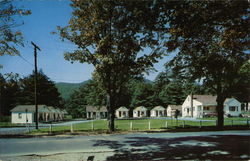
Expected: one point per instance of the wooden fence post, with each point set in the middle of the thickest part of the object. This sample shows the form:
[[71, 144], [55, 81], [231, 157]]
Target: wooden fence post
[[50, 128], [71, 128], [166, 124], [149, 125], [131, 126], [183, 123], [92, 126], [200, 123]]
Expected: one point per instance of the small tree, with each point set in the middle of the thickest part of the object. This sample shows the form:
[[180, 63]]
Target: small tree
[[110, 35]]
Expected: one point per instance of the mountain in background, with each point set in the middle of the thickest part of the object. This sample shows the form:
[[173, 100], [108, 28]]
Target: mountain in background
[[66, 89]]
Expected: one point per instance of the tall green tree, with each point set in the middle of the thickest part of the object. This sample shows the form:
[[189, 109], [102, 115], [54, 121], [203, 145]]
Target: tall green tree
[[142, 94], [110, 35], [47, 92], [212, 37], [10, 37], [10, 92]]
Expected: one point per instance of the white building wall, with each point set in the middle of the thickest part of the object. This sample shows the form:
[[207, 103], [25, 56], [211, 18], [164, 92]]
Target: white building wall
[[186, 108], [232, 102], [122, 113], [20, 117], [169, 109], [153, 113], [135, 113]]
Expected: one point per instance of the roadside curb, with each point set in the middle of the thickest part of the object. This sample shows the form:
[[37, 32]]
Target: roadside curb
[[68, 134]]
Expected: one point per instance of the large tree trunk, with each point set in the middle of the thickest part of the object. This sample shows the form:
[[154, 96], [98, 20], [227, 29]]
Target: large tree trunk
[[220, 110], [111, 121], [111, 112], [220, 105]]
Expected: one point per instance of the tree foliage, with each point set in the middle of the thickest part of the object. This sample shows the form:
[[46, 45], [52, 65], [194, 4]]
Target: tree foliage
[[47, 93], [10, 92], [212, 37], [110, 35], [9, 36]]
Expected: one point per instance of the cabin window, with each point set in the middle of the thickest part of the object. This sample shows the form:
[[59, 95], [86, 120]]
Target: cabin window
[[19, 115], [233, 108]]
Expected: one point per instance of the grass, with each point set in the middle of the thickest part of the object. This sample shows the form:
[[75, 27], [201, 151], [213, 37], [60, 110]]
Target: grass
[[227, 118], [138, 125], [9, 124]]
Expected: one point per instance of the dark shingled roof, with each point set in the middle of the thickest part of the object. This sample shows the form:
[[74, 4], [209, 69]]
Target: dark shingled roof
[[96, 108]]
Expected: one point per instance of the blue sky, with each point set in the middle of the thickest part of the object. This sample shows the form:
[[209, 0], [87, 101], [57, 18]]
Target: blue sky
[[46, 15]]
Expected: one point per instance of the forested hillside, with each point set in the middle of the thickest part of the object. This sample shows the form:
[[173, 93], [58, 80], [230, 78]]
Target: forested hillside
[[66, 89]]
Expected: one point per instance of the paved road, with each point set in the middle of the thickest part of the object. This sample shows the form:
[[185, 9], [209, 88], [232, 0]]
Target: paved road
[[21, 130], [232, 145]]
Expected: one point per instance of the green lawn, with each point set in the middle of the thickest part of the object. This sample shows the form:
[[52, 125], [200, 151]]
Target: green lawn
[[9, 124], [138, 125], [227, 118]]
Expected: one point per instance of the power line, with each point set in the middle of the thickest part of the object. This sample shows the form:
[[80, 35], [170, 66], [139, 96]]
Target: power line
[[25, 60]]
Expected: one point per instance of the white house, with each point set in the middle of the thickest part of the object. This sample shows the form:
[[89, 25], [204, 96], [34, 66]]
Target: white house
[[232, 107], [205, 105], [96, 112], [171, 109], [140, 111], [121, 112], [158, 111], [26, 114]]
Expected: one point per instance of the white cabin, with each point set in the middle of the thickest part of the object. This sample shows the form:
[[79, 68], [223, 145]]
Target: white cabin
[[121, 112], [205, 105], [140, 111], [171, 109], [158, 111]]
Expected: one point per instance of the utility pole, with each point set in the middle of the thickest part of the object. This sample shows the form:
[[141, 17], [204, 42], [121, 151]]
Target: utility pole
[[35, 55], [192, 97]]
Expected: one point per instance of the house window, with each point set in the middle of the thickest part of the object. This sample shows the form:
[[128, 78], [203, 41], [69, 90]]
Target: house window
[[19, 115], [233, 108]]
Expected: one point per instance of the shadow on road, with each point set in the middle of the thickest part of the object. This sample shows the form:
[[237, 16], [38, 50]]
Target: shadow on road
[[216, 147]]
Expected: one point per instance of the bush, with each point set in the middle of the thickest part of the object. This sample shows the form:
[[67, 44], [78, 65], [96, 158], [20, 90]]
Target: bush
[[5, 118]]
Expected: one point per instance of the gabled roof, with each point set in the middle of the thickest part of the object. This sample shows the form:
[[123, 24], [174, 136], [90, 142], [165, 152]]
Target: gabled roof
[[140, 108], [96, 108], [122, 108], [228, 100], [29, 108], [52, 109], [205, 99], [158, 108], [209, 99], [175, 107]]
